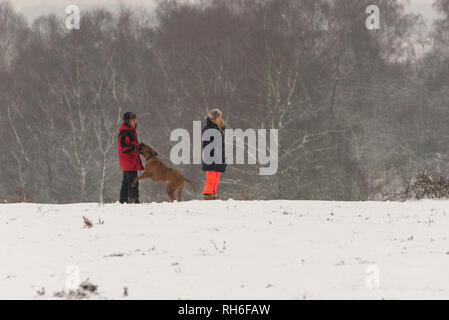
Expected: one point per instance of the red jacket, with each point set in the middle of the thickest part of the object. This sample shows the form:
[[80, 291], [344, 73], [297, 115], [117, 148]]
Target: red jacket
[[128, 149]]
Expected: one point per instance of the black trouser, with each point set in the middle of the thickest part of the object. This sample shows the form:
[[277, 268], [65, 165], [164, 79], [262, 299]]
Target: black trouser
[[129, 191]]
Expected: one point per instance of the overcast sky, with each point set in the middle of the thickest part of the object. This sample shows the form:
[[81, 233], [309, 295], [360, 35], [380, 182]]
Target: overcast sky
[[33, 8]]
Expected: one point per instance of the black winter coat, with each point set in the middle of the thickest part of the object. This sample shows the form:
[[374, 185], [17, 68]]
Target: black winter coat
[[218, 167]]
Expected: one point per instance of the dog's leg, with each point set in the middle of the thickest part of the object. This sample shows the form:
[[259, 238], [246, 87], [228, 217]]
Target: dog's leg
[[171, 191], [171, 195], [142, 176], [179, 191]]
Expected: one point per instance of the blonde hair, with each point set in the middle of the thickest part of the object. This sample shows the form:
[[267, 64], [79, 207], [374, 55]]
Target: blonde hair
[[213, 114]]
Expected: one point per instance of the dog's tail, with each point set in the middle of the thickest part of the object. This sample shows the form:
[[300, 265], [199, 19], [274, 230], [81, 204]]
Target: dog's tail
[[191, 184]]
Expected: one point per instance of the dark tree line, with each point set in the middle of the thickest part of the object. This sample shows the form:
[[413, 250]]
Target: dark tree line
[[359, 112]]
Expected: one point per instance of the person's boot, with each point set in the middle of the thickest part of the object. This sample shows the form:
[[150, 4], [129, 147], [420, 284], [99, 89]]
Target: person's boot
[[214, 196], [208, 196], [132, 201]]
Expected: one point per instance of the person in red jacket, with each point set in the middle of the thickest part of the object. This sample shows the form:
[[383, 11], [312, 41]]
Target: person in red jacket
[[128, 155]]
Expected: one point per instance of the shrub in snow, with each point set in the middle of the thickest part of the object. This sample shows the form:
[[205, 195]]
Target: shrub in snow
[[84, 291], [428, 187]]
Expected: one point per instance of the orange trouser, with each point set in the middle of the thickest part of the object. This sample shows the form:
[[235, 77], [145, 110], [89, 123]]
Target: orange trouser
[[210, 186]]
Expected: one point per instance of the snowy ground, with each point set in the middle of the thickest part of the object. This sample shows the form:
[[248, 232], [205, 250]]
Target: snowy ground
[[229, 249]]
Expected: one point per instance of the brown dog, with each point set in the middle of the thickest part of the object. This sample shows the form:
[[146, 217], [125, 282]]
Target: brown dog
[[159, 172]]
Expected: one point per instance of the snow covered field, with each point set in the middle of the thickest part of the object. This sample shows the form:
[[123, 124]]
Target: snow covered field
[[229, 249]]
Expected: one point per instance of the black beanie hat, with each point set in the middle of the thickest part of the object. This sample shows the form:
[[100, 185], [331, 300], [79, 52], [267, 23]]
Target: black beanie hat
[[128, 116]]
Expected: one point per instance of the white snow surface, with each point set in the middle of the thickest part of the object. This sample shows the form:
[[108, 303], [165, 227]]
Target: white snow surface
[[229, 249]]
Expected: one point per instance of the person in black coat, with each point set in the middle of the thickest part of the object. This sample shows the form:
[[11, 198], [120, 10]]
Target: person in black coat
[[214, 169]]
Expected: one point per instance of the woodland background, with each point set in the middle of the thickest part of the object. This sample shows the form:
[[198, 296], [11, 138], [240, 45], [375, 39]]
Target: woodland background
[[359, 111]]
